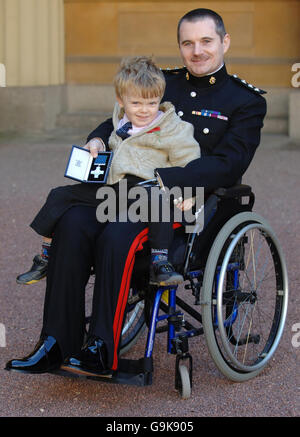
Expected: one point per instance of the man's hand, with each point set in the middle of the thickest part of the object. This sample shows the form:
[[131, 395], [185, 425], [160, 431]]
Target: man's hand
[[95, 146]]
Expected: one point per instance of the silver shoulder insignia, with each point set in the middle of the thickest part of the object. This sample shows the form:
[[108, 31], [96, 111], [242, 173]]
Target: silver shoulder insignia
[[248, 85], [174, 70]]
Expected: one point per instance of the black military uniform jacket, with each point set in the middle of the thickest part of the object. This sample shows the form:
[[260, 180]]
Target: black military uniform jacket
[[227, 114]]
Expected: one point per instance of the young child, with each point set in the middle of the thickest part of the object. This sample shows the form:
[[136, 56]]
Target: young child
[[147, 135]]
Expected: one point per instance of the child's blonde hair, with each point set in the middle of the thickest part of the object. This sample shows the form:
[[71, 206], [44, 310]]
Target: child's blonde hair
[[139, 75]]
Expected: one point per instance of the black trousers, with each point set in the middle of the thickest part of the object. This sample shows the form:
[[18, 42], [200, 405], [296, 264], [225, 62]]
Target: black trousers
[[61, 199], [79, 243]]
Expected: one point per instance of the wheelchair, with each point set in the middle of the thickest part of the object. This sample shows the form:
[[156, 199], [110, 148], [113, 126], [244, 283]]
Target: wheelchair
[[235, 294]]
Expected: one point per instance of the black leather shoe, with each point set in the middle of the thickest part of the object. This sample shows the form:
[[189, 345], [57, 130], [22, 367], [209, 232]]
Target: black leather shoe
[[45, 357], [37, 272], [163, 273], [91, 360]]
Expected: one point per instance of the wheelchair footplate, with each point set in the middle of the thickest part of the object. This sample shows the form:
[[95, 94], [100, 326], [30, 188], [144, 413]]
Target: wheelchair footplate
[[130, 372]]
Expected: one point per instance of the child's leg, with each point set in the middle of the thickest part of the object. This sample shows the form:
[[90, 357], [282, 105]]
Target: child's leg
[[46, 244], [39, 267], [59, 200], [160, 238], [161, 270]]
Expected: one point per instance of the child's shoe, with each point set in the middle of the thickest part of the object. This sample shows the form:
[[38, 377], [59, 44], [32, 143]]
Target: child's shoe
[[163, 273], [37, 272]]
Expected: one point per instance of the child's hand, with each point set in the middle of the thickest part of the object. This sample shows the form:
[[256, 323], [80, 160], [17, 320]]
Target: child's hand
[[184, 205], [95, 146]]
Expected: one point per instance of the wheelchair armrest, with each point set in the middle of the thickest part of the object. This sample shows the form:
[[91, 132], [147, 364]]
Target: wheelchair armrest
[[235, 191]]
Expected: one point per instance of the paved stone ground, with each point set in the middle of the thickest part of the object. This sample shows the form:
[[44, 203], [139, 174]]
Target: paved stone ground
[[29, 167]]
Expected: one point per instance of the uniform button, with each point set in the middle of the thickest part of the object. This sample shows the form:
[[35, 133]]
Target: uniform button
[[193, 94], [206, 130], [180, 113]]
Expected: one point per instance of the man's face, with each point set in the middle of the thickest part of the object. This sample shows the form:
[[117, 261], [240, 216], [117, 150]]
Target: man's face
[[201, 47], [140, 111]]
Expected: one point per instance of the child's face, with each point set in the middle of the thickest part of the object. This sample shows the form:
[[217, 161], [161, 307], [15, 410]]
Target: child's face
[[140, 111]]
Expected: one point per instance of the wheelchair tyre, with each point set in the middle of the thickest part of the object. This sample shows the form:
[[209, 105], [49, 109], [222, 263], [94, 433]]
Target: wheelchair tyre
[[134, 322], [134, 317], [185, 388], [244, 296]]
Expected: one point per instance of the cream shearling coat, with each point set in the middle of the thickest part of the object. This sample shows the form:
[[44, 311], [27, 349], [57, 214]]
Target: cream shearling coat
[[168, 142]]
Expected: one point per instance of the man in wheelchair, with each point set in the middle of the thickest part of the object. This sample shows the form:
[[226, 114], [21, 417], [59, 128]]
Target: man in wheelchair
[[227, 114]]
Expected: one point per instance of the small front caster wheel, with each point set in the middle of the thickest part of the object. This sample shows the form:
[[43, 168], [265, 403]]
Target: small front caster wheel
[[184, 382]]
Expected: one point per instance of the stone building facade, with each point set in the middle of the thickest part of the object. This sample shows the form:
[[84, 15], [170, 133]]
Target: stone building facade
[[58, 57]]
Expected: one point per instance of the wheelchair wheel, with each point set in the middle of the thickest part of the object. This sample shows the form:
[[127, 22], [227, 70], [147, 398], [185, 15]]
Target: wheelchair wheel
[[134, 317], [244, 296], [184, 382], [134, 321]]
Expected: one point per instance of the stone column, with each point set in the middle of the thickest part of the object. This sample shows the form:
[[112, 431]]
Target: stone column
[[294, 105], [32, 51], [294, 116], [32, 41]]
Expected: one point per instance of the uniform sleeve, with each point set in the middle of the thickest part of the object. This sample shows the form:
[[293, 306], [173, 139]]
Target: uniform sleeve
[[230, 157], [103, 131], [183, 148]]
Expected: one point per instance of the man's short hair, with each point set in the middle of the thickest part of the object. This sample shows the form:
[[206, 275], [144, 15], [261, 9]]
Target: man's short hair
[[139, 75], [201, 14]]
